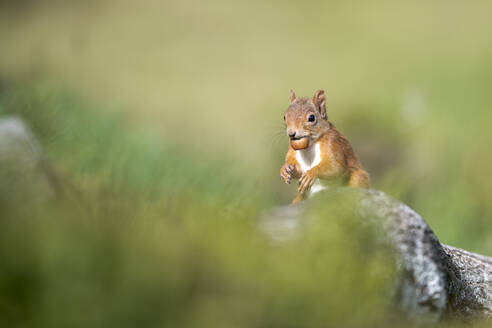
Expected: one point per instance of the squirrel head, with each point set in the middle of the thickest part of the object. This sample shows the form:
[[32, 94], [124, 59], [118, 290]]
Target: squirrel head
[[306, 119]]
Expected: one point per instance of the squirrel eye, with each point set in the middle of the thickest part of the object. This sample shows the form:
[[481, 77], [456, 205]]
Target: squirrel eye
[[311, 118], [284, 117]]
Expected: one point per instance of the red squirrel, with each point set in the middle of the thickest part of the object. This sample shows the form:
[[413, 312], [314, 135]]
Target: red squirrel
[[318, 152]]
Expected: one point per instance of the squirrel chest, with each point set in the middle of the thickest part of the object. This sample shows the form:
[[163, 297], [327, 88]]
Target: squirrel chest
[[309, 158]]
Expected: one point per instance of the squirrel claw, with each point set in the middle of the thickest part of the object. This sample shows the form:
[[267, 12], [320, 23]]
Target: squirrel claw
[[286, 173], [306, 181]]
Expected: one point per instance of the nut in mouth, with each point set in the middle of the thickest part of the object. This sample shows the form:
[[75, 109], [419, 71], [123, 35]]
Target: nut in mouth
[[299, 142]]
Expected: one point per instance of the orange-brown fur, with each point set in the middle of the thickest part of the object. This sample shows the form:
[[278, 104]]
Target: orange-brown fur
[[338, 161]]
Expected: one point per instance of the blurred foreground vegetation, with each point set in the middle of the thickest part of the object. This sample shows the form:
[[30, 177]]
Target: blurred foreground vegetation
[[164, 118]]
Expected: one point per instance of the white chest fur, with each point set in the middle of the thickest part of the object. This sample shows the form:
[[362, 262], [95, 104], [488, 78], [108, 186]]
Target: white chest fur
[[307, 159]]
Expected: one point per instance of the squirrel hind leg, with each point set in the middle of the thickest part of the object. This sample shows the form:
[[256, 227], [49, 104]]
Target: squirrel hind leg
[[359, 179], [298, 199]]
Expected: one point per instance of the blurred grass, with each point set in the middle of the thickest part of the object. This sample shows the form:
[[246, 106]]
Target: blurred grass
[[220, 271], [167, 117]]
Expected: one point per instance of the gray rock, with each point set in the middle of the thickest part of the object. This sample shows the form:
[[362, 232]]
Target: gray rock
[[435, 281], [469, 285], [421, 260], [23, 176]]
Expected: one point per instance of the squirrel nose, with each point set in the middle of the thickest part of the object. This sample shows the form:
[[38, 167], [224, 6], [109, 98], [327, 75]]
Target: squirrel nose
[[292, 134]]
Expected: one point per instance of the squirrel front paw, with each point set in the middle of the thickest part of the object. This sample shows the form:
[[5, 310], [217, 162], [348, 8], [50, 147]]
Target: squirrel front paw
[[307, 180], [286, 172]]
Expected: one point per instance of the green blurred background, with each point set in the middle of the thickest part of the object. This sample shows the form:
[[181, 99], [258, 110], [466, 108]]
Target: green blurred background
[[166, 118]]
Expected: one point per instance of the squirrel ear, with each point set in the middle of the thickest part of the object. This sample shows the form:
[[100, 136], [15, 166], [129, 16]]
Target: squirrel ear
[[319, 101], [292, 96]]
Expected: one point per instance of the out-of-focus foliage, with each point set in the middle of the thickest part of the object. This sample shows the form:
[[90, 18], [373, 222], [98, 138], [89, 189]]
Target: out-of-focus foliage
[[165, 118]]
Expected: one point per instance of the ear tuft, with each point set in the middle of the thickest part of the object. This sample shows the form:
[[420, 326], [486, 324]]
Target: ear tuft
[[319, 100], [292, 96]]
